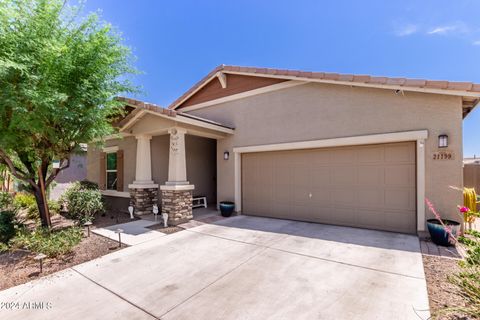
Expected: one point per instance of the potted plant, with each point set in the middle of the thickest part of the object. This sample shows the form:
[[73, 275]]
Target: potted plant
[[443, 232], [226, 208]]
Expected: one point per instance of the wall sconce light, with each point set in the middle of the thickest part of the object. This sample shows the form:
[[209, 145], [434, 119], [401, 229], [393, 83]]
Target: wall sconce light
[[226, 155], [442, 141]]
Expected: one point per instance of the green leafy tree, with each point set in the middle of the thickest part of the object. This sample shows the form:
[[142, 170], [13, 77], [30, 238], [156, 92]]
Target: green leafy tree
[[59, 74]]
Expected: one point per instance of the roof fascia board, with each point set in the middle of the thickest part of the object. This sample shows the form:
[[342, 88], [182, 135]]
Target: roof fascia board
[[195, 91], [198, 123], [361, 84], [134, 119]]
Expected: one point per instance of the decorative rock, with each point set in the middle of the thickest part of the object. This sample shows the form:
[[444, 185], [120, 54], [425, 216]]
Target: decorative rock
[[143, 200], [178, 205]]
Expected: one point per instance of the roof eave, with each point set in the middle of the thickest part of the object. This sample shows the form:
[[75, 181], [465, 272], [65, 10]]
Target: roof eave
[[423, 86]]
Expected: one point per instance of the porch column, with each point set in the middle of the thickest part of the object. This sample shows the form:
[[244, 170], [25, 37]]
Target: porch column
[[143, 170], [177, 192], [143, 191], [177, 163]]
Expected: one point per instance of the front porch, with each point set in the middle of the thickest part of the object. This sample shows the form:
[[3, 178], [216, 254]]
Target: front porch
[[161, 138], [150, 227]]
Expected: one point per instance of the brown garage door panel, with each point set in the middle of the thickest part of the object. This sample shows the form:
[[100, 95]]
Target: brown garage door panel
[[362, 186]]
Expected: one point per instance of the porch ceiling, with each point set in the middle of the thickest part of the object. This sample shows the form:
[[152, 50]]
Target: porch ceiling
[[154, 120]]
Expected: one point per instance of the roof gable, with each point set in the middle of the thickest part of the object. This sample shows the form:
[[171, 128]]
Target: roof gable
[[234, 84]]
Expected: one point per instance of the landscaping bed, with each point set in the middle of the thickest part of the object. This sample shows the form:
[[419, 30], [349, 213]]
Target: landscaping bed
[[454, 284], [112, 218], [61, 244], [441, 292], [18, 266], [167, 230]]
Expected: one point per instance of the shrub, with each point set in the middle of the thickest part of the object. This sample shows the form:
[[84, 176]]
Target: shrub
[[468, 279], [24, 200], [83, 202], [4, 247], [7, 226], [6, 200], [472, 244], [88, 185], [32, 209], [32, 212], [54, 207], [51, 243]]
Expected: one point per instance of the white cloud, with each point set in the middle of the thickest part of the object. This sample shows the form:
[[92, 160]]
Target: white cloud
[[442, 30], [406, 30], [449, 29], [454, 30]]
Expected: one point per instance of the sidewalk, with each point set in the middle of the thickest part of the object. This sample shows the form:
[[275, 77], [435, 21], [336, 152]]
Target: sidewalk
[[133, 233]]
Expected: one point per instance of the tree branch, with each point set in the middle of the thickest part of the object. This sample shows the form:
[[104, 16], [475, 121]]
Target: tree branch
[[55, 172], [15, 171]]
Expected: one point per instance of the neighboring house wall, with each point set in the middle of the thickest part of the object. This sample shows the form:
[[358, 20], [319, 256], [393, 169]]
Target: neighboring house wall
[[320, 111], [201, 165], [77, 171], [471, 176]]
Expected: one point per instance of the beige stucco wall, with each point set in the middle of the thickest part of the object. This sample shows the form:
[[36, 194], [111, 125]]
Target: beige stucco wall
[[319, 111], [202, 166], [201, 162], [128, 144]]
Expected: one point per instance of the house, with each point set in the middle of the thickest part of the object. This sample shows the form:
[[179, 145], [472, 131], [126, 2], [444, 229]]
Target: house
[[475, 160], [76, 171], [351, 150]]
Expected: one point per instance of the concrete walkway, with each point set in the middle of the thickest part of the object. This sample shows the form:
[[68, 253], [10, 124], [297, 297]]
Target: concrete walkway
[[134, 232], [241, 268]]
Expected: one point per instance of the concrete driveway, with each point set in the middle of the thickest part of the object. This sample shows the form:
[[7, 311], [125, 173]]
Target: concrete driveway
[[239, 268]]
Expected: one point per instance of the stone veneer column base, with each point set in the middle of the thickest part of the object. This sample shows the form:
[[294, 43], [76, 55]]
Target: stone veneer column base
[[177, 203], [143, 198]]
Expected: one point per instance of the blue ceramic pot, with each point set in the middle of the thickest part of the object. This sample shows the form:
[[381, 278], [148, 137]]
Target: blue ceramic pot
[[439, 235], [226, 208]]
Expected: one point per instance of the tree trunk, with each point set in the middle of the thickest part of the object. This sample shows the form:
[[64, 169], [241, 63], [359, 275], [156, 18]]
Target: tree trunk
[[42, 203]]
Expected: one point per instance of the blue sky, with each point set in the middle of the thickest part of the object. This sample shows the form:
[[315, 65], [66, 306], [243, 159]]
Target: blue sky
[[178, 42]]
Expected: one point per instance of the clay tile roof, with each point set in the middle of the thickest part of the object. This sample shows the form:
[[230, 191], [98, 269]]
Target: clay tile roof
[[305, 74], [361, 78], [318, 75], [378, 80], [400, 83], [345, 77], [460, 86], [293, 73], [330, 76], [395, 81], [436, 84], [271, 71], [415, 83], [141, 105]]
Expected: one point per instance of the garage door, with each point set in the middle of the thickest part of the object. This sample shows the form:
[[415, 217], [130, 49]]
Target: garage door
[[370, 186]]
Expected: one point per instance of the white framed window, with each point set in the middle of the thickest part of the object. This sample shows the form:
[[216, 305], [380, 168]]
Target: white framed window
[[111, 174]]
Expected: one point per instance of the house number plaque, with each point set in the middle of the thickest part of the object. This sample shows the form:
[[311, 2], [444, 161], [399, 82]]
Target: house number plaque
[[443, 155]]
